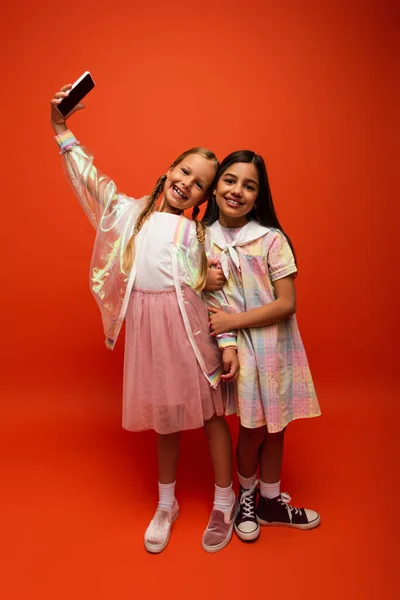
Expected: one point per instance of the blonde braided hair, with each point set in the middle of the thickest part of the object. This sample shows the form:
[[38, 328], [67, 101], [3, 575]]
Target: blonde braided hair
[[150, 207], [129, 253], [201, 237]]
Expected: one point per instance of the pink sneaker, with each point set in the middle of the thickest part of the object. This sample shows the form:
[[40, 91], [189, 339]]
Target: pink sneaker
[[158, 532], [219, 529]]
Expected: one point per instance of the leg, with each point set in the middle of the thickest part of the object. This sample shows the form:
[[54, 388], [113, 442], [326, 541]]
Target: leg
[[247, 453], [273, 507], [158, 532], [220, 446], [168, 454], [220, 526], [271, 454]]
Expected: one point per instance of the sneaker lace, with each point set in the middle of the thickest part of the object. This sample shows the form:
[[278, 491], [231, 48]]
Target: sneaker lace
[[285, 499], [247, 501]]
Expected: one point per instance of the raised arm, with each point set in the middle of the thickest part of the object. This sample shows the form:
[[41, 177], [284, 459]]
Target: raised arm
[[96, 192]]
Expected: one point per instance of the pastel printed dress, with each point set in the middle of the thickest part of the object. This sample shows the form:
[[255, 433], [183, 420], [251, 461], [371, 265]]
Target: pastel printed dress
[[275, 384]]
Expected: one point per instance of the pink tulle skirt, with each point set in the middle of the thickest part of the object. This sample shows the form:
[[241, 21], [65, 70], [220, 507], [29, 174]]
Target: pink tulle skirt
[[164, 387]]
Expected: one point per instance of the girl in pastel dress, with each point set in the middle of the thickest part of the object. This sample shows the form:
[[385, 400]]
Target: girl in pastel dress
[[148, 269], [274, 385]]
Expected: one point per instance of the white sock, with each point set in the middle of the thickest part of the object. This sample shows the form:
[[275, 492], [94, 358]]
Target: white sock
[[247, 482], [223, 498], [166, 495], [270, 490]]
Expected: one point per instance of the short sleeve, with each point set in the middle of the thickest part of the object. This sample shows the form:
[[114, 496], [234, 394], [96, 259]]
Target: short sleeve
[[280, 259]]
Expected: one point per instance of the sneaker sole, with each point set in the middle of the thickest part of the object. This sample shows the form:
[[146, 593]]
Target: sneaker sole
[[157, 548], [311, 525], [250, 536]]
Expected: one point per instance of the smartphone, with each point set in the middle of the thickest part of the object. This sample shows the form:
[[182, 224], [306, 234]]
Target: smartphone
[[80, 88]]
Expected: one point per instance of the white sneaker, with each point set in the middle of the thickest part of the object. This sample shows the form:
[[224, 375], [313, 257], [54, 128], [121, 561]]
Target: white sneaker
[[157, 534]]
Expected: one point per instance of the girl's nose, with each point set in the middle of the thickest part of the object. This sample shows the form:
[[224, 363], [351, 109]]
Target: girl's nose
[[237, 190]]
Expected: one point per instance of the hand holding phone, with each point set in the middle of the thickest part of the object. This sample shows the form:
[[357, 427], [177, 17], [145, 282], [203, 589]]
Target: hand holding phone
[[76, 93], [69, 98]]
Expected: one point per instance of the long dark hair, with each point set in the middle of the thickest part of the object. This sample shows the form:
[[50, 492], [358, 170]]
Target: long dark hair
[[263, 210]]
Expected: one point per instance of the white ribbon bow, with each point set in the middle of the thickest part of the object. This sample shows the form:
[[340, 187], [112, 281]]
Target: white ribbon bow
[[231, 250], [247, 234]]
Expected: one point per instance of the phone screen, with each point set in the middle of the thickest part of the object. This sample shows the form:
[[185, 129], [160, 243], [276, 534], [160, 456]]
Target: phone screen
[[78, 91]]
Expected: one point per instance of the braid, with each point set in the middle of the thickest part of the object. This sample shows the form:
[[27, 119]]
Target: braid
[[201, 237], [195, 213], [129, 252]]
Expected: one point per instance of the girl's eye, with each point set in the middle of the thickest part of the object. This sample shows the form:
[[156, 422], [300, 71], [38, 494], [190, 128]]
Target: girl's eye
[[228, 180], [199, 185], [185, 171], [251, 188]]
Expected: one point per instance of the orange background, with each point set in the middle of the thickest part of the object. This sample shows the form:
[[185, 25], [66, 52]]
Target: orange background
[[314, 88]]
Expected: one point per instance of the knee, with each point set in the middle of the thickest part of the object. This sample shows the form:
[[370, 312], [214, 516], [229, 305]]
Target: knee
[[214, 422], [278, 436], [252, 436], [214, 419]]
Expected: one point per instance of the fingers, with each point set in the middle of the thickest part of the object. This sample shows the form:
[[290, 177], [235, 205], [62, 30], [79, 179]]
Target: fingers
[[227, 376], [236, 370], [63, 93], [230, 375], [214, 284], [213, 310], [58, 97], [212, 330], [217, 274], [233, 371]]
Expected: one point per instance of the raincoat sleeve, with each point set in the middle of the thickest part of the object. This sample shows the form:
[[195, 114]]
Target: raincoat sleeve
[[96, 192]]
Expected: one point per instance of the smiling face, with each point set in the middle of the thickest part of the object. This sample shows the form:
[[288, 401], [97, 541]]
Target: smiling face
[[188, 183], [236, 193]]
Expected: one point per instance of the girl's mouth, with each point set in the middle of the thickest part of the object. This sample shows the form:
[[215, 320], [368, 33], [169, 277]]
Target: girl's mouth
[[232, 202], [179, 193]]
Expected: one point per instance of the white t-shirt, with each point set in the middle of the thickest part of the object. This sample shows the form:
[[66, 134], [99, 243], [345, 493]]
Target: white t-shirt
[[154, 269]]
